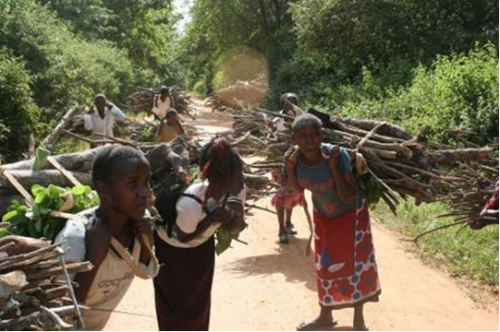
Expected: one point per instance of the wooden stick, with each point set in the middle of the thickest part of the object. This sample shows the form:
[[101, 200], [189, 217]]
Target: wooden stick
[[54, 135], [60, 324], [369, 135], [6, 174], [311, 230], [81, 323], [63, 171]]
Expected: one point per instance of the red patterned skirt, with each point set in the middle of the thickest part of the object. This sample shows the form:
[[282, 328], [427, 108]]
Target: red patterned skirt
[[345, 259]]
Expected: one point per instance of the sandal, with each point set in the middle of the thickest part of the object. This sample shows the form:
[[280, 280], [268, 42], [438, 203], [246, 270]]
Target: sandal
[[283, 237]]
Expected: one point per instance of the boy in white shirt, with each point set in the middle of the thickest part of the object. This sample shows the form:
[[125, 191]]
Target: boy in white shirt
[[100, 118]]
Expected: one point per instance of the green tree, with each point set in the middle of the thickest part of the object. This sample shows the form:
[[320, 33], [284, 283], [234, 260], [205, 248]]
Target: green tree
[[18, 112]]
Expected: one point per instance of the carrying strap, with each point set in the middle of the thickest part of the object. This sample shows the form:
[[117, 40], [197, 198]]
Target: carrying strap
[[133, 261]]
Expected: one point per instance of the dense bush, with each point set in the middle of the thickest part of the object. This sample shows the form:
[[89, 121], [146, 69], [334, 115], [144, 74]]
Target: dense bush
[[64, 69], [18, 112], [458, 92]]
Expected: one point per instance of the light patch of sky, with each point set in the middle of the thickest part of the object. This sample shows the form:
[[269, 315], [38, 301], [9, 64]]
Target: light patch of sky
[[183, 7]]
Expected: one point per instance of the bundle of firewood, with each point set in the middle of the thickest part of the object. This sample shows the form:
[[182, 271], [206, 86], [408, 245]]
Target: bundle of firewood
[[394, 163], [143, 100], [241, 94], [175, 156], [35, 290], [474, 186]]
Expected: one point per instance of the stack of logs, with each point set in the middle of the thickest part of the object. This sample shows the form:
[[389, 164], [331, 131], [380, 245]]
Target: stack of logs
[[176, 155], [142, 101], [400, 162], [35, 290]]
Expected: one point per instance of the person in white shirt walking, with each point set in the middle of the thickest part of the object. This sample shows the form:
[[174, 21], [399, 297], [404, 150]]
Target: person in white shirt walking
[[101, 117], [162, 103]]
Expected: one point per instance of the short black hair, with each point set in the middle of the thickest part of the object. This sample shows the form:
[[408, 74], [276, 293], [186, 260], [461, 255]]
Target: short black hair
[[305, 120], [171, 113], [109, 157], [286, 96], [164, 89]]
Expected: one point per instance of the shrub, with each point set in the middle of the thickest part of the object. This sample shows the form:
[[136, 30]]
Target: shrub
[[18, 112]]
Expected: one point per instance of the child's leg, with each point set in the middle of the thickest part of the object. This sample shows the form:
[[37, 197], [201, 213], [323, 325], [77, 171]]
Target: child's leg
[[281, 218], [323, 321], [283, 236], [289, 217], [288, 223], [359, 320]]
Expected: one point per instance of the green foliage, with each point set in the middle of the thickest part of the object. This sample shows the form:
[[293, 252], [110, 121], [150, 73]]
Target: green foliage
[[466, 252], [18, 112], [64, 68], [353, 33], [148, 135], [144, 28], [457, 92], [35, 221]]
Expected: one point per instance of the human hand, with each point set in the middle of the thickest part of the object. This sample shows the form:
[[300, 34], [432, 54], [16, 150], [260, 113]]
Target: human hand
[[293, 158], [334, 156], [221, 215]]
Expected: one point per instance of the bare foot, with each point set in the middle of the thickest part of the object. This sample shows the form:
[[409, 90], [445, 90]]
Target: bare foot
[[317, 324]]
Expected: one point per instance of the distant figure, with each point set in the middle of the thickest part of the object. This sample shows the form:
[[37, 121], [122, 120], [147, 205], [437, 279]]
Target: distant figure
[[286, 199], [100, 118], [162, 103], [288, 102], [170, 127]]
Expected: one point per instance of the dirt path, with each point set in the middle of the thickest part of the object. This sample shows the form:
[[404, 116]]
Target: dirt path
[[265, 286]]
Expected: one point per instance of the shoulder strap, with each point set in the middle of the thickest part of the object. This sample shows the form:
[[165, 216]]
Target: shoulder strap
[[198, 200]]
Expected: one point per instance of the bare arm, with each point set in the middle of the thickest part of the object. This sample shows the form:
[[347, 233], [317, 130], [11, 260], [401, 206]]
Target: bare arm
[[344, 183], [221, 215]]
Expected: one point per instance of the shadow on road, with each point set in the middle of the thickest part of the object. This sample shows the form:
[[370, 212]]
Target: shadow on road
[[288, 260]]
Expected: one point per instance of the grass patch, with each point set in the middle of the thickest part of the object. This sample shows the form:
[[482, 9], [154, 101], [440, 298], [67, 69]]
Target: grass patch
[[465, 253]]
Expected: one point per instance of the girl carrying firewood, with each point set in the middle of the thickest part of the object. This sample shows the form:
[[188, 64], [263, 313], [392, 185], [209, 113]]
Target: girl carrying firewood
[[346, 271], [118, 225], [184, 284], [286, 199]]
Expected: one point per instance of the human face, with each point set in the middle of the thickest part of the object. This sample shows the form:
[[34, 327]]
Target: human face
[[101, 103], [127, 191], [308, 139]]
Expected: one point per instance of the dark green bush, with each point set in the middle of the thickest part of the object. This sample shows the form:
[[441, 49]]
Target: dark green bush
[[18, 112], [459, 92], [65, 68]]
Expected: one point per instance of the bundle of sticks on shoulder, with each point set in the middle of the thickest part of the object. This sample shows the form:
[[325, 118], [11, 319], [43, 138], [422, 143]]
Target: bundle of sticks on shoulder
[[165, 158], [143, 100], [399, 164], [35, 290]]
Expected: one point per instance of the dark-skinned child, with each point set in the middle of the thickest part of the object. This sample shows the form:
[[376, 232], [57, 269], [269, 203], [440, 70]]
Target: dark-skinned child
[[184, 284], [170, 127], [346, 271], [117, 239], [285, 199]]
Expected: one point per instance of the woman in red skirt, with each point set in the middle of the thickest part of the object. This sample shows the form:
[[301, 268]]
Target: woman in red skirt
[[345, 266]]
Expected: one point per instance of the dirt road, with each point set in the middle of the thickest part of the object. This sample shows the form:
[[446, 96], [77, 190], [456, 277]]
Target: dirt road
[[267, 286]]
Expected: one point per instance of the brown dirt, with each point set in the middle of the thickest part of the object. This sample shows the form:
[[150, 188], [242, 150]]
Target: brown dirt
[[267, 286]]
